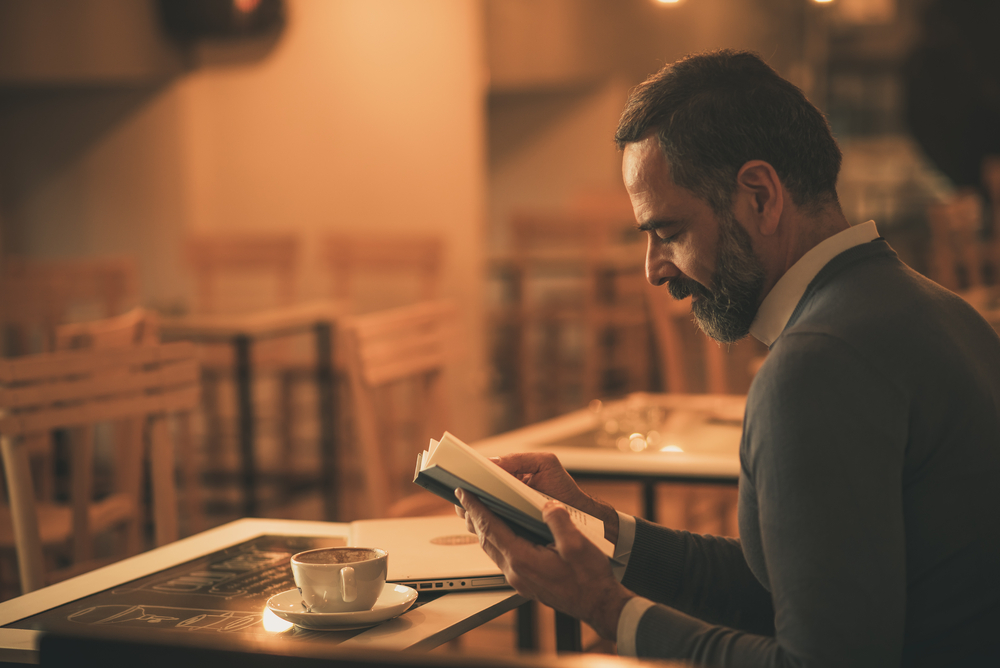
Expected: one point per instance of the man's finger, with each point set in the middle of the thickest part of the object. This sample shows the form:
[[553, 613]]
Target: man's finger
[[568, 538]]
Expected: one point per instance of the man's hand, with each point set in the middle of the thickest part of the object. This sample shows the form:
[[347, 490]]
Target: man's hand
[[572, 575], [542, 471]]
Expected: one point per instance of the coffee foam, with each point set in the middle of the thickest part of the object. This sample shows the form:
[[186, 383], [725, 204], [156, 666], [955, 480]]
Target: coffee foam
[[337, 555]]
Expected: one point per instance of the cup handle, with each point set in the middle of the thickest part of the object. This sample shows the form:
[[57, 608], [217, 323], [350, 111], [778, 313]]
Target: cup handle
[[348, 584]]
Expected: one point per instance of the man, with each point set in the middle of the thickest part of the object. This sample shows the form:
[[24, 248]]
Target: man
[[869, 532]]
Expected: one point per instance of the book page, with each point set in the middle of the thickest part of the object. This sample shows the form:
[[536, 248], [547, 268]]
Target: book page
[[460, 460]]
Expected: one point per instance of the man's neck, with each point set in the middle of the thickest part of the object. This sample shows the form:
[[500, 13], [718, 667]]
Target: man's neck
[[801, 231]]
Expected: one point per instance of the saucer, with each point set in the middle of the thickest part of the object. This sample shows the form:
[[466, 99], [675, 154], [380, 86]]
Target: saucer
[[393, 601]]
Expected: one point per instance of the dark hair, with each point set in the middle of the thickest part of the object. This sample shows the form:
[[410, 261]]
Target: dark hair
[[715, 111]]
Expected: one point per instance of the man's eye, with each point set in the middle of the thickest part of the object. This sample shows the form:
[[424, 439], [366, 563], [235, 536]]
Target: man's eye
[[664, 235]]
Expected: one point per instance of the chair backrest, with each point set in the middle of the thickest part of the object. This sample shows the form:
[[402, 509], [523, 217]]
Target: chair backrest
[[38, 295], [137, 327], [234, 273], [396, 362], [961, 258], [572, 280], [690, 361], [683, 348], [406, 266], [76, 390]]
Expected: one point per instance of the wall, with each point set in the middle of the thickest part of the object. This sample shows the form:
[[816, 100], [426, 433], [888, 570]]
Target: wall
[[555, 101], [366, 114]]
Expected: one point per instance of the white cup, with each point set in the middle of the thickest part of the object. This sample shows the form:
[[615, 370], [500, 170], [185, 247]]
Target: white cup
[[340, 579]]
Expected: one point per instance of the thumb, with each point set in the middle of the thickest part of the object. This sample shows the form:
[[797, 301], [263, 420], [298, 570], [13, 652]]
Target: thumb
[[568, 538]]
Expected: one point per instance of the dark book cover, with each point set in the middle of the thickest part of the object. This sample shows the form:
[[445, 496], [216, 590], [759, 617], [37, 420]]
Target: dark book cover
[[439, 481]]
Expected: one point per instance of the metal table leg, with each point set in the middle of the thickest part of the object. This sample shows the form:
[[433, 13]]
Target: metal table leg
[[649, 499], [568, 637], [327, 390], [244, 403]]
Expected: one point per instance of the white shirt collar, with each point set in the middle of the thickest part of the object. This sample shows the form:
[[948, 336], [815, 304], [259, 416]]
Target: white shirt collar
[[777, 307]]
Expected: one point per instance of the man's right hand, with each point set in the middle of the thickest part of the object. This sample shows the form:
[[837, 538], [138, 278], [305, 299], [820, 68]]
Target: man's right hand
[[542, 471]]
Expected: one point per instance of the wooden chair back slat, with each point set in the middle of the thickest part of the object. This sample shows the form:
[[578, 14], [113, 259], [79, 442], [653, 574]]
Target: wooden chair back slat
[[70, 362], [418, 257], [213, 258], [167, 400], [118, 380], [426, 362]]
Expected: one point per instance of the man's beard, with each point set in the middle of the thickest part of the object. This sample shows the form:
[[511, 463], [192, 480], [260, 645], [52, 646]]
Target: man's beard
[[725, 311]]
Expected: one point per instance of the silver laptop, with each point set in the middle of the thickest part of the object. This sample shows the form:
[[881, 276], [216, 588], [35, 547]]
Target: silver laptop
[[430, 553]]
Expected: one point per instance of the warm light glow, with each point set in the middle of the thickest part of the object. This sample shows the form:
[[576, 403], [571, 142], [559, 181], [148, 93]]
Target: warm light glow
[[672, 448], [668, 2], [275, 624], [822, 2], [246, 6]]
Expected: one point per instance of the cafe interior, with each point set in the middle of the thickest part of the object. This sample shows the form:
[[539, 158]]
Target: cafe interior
[[256, 254]]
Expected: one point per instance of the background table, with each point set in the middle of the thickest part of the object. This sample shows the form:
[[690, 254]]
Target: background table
[[241, 332], [700, 440], [424, 627]]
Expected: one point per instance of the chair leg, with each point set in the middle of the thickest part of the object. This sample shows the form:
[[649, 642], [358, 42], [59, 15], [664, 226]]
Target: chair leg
[[527, 626], [568, 634]]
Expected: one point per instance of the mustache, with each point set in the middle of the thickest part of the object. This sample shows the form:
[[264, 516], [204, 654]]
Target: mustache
[[682, 288]]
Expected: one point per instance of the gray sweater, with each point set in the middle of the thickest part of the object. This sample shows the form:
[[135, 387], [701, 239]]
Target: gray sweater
[[869, 516]]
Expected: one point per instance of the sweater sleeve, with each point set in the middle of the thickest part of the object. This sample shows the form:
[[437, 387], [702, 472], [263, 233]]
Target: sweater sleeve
[[823, 447]]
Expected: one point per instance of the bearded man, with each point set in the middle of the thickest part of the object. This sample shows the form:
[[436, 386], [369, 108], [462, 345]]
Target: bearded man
[[869, 534]]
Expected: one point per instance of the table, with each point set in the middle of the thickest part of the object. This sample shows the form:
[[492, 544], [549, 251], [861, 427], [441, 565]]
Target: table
[[424, 627], [241, 332], [698, 440]]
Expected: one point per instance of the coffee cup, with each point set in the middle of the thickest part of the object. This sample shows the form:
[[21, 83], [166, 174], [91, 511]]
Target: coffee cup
[[340, 579]]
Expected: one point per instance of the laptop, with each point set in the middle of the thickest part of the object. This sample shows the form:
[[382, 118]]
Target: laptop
[[430, 553]]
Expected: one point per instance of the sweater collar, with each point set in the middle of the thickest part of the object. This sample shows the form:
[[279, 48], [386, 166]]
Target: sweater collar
[[777, 307]]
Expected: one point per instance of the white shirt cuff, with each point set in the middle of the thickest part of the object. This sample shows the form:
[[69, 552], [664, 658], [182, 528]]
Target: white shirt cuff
[[628, 624], [623, 548]]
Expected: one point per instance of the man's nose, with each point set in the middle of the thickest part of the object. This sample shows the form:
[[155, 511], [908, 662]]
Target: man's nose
[[659, 267]]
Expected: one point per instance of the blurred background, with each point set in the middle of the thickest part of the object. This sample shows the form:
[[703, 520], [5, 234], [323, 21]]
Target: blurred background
[[144, 142]]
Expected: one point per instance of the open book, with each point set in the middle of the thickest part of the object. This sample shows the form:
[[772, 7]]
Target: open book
[[449, 464]]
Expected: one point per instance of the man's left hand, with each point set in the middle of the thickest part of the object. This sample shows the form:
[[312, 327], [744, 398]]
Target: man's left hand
[[572, 575]]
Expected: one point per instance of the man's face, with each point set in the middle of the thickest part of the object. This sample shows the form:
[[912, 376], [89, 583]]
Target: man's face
[[691, 248]]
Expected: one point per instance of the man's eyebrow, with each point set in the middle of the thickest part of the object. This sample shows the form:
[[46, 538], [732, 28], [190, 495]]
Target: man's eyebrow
[[656, 224]]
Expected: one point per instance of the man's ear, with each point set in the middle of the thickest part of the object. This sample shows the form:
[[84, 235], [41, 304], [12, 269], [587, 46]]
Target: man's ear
[[761, 189]]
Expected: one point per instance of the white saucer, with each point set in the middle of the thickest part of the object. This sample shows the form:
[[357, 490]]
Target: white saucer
[[393, 601]]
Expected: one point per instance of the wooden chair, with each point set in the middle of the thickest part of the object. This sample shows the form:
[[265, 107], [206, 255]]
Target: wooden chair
[[138, 327], [36, 296], [235, 273], [358, 263], [77, 390], [396, 363], [961, 257], [575, 309], [691, 362]]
